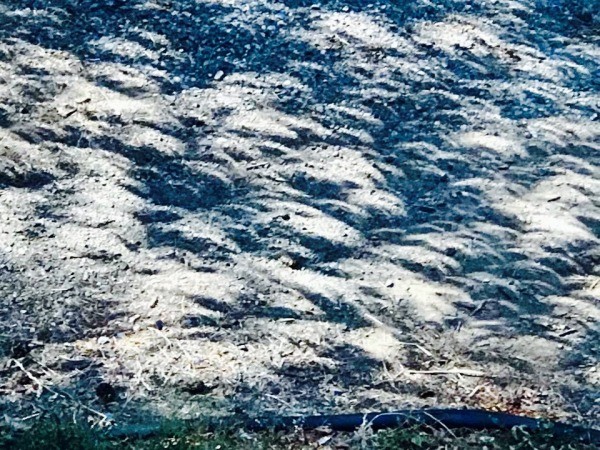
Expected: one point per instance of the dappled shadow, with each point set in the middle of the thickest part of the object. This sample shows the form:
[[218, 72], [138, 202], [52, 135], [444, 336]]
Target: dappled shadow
[[322, 205]]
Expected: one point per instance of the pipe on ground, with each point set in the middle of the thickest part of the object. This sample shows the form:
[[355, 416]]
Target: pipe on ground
[[437, 418]]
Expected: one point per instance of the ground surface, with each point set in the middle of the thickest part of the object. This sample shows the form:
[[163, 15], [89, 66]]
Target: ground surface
[[278, 206]]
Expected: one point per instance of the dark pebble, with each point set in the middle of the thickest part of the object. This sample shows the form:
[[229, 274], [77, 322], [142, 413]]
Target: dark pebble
[[106, 393], [451, 251], [197, 388]]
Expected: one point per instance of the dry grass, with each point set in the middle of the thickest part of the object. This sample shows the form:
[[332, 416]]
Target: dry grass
[[221, 206]]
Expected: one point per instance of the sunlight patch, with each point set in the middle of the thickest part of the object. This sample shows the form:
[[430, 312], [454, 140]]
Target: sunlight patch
[[481, 140]]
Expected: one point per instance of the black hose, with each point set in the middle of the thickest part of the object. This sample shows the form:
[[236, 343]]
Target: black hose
[[449, 418], [437, 418]]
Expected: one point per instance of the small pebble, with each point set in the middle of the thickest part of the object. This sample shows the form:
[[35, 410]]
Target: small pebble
[[105, 392]]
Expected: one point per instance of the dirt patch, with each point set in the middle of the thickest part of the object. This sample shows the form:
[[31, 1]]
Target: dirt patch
[[262, 206]]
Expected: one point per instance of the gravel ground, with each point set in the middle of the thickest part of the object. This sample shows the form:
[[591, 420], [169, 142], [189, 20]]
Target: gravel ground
[[288, 206]]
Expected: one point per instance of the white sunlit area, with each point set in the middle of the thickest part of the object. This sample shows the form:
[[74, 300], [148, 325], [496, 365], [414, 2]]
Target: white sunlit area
[[273, 208]]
